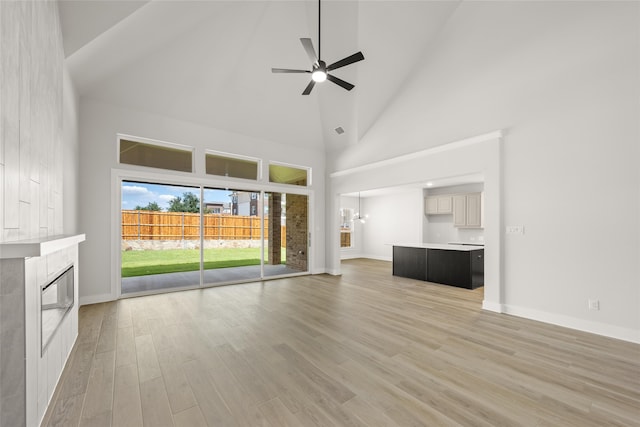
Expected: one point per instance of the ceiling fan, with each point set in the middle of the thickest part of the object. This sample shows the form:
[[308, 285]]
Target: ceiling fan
[[319, 69]]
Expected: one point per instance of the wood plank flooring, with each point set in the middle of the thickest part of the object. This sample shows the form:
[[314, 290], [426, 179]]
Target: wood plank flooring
[[363, 349]]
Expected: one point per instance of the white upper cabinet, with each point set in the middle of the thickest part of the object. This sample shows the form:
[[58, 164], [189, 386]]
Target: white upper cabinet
[[459, 210], [467, 210], [437, 204], [474, 210]]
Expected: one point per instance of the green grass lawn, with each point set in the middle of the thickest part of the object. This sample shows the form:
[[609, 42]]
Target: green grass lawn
[[142, 263]]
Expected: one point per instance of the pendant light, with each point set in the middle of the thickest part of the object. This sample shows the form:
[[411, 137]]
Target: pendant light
[[357, 216]]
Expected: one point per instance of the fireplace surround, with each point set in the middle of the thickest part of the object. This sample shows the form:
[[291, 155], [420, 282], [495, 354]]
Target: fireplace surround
[[32, 359]]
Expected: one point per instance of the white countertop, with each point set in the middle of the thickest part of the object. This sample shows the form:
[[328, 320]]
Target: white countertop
[[445, 246]]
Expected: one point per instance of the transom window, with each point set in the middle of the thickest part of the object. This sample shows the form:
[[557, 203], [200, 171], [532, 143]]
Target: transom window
[[223, 164], [287, 174], [154, 154]]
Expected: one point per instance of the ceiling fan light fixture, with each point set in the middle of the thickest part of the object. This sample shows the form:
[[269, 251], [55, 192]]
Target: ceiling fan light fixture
[[319, 76], [320, 70]]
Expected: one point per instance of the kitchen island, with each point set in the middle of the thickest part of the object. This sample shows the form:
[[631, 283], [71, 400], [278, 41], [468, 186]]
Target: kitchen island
[[460, 265]]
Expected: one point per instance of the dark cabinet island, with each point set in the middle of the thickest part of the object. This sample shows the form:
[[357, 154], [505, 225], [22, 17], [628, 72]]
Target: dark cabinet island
[[455, 265]]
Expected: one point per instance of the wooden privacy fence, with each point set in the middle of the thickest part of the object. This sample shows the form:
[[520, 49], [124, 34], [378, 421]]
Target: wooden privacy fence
[[150, 225]]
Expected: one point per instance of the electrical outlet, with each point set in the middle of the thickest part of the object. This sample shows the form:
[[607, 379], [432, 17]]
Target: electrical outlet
[[515, 229], [594, 304]]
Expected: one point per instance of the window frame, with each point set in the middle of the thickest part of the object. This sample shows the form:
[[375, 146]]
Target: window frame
[[232, 156], [158, 143], [308, 169]]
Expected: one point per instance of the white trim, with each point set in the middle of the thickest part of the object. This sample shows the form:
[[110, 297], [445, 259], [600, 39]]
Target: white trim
[[491, 306], [598, 328], [95, 299], [311, 237], [378, 257], [429, 151], [150, 141], [231, 155], [350, 254]]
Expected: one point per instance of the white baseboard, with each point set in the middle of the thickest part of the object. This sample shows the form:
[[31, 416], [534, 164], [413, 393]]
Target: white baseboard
[[354, 255], [378, 257], [350, 255], [492, 306], [611, 331], [334, 272], [368, 256], [320, 270], [95, 299]]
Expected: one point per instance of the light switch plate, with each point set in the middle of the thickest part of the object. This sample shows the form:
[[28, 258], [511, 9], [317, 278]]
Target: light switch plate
[[515, 229]]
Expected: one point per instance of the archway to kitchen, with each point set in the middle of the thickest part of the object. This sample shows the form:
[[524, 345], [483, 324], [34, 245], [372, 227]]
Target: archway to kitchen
[[474, 156]]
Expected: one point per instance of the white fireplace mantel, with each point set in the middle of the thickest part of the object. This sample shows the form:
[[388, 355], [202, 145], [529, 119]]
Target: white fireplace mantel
[[39, 246], [30, 367]]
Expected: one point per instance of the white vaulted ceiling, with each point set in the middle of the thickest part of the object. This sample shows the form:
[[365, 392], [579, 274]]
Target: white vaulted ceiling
[[209, 62]]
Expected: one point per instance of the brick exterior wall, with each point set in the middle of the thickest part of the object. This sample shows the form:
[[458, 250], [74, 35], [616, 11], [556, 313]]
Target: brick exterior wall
[[275, 234], [297, 226]]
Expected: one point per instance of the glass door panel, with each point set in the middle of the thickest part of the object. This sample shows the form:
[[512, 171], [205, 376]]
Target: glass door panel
[[160, 237], [232, 235], [286, 245]]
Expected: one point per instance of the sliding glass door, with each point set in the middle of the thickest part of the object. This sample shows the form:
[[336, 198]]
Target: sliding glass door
[[176, 236], [232, 235], [160, 237]]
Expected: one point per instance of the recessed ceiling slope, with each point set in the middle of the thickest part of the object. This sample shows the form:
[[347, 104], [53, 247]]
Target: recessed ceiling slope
[[83, 21], [399, 36], [208, 62]]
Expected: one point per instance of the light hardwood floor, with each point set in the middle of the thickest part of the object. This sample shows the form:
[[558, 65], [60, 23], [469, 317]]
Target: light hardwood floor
[[363, 349]]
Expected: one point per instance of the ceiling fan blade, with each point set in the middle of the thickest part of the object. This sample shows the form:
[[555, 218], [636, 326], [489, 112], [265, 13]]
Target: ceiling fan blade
[[311, 52], [346, 61], [286, 70], [339, 82], [310, 86]]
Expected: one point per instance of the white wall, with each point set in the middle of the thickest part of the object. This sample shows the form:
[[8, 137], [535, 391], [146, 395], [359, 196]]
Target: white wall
[[99, 125], [392, 218], [439, 228], [562, 79], [70, 150]]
